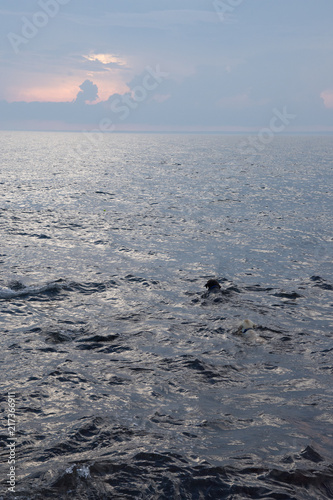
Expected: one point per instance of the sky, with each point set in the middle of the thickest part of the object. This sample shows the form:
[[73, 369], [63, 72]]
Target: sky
[[167, 65]]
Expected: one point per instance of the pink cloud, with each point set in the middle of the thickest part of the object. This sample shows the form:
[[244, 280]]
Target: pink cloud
[[327, 96]]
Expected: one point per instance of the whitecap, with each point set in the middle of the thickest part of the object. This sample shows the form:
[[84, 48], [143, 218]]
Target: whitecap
[[9, 293]]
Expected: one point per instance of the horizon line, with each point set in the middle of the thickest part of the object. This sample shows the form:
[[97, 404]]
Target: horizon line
[[166, 132]]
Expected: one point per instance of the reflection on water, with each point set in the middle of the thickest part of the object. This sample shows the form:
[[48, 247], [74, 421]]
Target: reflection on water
[[131, 381]]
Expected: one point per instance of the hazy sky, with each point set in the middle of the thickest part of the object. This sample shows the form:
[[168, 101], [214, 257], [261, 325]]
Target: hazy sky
[[220, 65]]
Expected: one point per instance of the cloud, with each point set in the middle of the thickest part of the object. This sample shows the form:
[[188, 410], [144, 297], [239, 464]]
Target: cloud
[[209, 99], [89, 92], [327, 96], [221, 75], [106, 59]]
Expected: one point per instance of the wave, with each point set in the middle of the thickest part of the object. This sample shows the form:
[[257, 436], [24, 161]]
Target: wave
[[164, 475], [19, 290]]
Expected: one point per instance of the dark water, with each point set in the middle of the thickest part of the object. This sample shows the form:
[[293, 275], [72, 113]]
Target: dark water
[[130, 381]]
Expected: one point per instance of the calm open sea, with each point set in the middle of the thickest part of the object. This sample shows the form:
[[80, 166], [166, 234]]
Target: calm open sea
[[128, 380]]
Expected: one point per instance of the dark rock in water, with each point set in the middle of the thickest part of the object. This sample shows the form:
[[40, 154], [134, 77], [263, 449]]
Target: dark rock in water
[[212, 285]]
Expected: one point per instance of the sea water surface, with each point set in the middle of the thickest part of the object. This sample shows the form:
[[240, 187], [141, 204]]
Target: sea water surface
[[129, 380]]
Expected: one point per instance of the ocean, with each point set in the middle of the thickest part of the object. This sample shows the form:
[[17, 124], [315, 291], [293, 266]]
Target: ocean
[[122, 377]]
